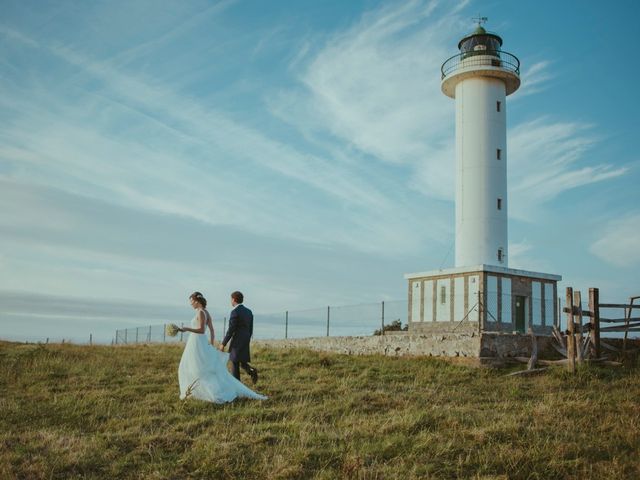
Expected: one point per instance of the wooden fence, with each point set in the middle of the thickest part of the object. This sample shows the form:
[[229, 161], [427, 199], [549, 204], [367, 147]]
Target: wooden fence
[[583, 339]]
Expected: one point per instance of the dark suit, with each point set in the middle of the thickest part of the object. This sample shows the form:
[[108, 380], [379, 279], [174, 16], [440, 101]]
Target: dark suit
[[240, 332]]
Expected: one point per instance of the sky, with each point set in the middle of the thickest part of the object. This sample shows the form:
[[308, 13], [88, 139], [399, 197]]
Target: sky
[[299, 151]]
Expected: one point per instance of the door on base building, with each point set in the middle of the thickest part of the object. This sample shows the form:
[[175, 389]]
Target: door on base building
[[520, 314]]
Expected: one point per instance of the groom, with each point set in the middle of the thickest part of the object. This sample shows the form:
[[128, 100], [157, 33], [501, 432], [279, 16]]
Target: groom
[[240, 332]]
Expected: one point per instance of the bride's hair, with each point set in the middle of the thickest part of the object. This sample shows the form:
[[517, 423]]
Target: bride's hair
[[198, 297]]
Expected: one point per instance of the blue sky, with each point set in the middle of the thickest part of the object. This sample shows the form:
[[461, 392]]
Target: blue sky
[[299, 151]]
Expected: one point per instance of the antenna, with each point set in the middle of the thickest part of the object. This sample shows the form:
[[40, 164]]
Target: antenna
[[480, 20]]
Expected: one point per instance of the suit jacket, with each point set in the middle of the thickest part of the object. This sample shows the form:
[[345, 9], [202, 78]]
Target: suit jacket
[[239, 332]]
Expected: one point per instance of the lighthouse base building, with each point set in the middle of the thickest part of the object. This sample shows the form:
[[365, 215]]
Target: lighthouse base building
[[497, 305]]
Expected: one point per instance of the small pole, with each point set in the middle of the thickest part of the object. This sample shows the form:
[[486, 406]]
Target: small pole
[[164, 333], [149, 335], [328, 315], [125, 335], [224, 326], [47, 340], [181, 333], [286, 324], [571, 339], [136, 335], [382, 320], [594, 331], [91, 339], [577, 300]]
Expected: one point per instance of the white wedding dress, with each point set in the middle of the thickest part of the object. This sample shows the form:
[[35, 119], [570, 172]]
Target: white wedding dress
[[203, 372]]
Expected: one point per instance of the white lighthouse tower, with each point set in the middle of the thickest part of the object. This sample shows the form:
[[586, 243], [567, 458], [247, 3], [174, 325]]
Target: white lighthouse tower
[[479, 78], [481, 294]]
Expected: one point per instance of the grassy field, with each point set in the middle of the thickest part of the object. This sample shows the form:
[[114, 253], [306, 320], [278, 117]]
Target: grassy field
[[113, 412]]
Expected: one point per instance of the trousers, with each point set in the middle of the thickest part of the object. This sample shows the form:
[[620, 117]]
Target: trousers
[[236, 368]]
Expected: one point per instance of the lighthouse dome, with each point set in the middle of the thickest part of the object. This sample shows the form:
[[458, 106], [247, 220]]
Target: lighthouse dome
[[480, 41]]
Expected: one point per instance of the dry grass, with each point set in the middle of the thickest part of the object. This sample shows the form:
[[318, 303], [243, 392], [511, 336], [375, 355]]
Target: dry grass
[[113, 412]]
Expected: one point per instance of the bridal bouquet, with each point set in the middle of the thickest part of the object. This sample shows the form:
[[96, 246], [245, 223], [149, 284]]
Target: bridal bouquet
[[172, 330]]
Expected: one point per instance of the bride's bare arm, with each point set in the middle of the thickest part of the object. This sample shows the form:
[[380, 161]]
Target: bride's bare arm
[[212, 334], [201, 322]]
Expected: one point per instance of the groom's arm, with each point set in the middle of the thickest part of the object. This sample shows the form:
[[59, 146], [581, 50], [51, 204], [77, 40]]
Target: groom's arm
[[233, 325]]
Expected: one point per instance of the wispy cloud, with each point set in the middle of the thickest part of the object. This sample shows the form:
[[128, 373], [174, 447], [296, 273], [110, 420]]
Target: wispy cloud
[[165, 171], [523, 254], [545, 160], [376, 88], [619, 242], [534, 79], [181, 20]]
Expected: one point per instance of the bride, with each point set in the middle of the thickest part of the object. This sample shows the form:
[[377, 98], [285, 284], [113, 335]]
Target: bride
[[203, 373]]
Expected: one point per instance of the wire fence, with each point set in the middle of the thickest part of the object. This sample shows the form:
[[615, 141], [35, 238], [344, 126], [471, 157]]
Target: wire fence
[[495, 312], [338, 321]]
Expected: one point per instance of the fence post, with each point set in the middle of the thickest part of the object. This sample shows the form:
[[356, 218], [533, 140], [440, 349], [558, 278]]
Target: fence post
[[91, 339], [286, 324], [328, 315], [577, 301], [382, 320], [125, 335], [627, 319], [571, 339], [224, 327], [164, 333], [137, 335], [149, 335], [181, 333], [594, 331]]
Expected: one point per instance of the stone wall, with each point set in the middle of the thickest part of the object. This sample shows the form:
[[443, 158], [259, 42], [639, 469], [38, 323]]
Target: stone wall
[[495, 344], [463, 344]]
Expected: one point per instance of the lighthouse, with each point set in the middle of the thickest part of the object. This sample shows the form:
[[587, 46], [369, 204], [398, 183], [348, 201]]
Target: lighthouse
[[480, 78], [481, 297]]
